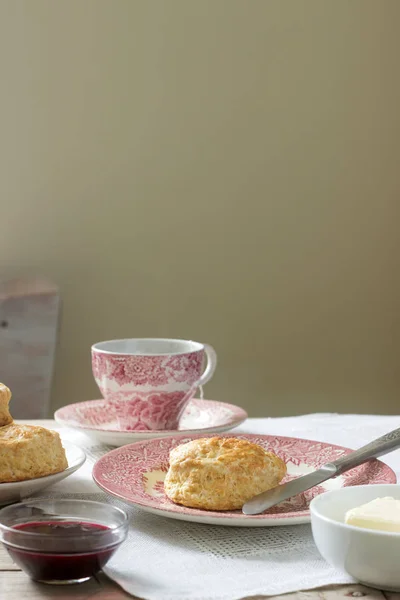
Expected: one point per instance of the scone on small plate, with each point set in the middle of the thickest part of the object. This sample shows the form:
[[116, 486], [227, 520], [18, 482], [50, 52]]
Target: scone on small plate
[[27, 451], [220, 473], [5, 396]]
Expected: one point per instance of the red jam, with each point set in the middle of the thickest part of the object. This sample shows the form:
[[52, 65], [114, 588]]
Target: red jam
[[82, 559]]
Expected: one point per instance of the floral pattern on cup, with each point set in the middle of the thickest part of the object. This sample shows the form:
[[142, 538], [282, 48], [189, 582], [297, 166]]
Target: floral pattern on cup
[[148, 370], [149, 382], [150, 411]]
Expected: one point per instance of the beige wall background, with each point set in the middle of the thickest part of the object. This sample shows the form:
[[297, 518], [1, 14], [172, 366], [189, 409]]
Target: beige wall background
[[221, 170]]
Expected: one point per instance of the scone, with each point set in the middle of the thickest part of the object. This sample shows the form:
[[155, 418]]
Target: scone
[[27, 451], [5, 395], [220, 473]]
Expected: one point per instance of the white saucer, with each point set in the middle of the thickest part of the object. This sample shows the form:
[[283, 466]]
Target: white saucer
[[96, 419], [16, 491]]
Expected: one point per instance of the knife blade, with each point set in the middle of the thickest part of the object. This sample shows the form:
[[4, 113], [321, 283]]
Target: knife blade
[[284, 491], [382, 445]]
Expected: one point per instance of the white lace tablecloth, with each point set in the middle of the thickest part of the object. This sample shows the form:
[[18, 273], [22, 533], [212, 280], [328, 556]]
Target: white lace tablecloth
[[165, 559]]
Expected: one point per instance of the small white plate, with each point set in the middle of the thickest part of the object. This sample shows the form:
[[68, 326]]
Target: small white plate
[[96, 419], [16, 491]]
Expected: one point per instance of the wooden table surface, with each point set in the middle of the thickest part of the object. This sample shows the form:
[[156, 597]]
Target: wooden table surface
[[15, 585]]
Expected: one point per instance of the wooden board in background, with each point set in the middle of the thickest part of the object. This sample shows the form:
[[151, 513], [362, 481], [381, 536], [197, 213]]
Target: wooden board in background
[[29, 316]]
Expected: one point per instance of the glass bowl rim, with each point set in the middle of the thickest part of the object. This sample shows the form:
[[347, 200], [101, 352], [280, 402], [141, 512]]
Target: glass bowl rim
[[89, 534]]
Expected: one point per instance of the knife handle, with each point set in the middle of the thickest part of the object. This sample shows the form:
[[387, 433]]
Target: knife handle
[[382, 445]]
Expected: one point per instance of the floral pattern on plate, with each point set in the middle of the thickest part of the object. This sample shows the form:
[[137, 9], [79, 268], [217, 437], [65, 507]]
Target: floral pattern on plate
[[135, 474], [198, 414], [98, 419]]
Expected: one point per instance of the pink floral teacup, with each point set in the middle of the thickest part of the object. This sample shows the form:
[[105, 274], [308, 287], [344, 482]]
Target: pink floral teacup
[[149, 381]]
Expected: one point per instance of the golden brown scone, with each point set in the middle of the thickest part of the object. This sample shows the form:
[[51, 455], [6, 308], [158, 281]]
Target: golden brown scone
[[220, 473], [29, 451], [5, 395]]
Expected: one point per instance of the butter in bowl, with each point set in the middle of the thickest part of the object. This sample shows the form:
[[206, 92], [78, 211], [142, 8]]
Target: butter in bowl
[[357, 529]]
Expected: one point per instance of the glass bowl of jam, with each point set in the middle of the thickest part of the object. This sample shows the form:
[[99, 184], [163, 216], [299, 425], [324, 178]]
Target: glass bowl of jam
[[62, 541]]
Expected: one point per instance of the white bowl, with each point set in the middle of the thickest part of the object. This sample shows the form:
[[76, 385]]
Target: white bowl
[[370, 556]]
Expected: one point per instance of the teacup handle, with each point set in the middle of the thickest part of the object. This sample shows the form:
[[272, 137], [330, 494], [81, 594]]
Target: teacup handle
[[211, 365]]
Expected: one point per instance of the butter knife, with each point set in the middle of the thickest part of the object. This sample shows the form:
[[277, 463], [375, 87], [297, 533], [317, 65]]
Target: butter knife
[[382, 445]]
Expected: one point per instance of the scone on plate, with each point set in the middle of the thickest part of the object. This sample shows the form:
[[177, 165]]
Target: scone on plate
[[5, 395], [220, 473], [27, 451]]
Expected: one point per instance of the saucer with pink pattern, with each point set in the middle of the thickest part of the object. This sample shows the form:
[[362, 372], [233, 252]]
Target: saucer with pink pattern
[[135, 474], [97, 419]]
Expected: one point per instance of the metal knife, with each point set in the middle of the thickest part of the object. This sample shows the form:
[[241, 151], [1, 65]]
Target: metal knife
[[383, 445]]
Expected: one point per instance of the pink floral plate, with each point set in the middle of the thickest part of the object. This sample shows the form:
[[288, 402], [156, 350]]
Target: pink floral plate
[[135, 474], [97, 419]]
